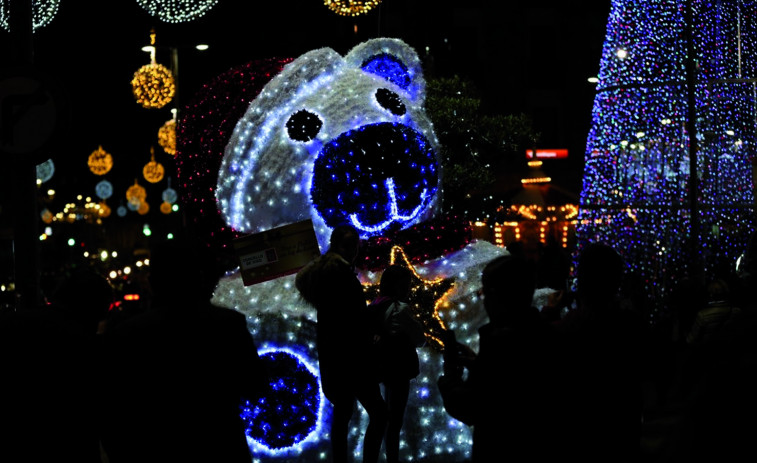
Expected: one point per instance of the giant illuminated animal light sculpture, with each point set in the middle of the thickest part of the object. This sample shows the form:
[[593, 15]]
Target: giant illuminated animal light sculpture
[[333, 138]]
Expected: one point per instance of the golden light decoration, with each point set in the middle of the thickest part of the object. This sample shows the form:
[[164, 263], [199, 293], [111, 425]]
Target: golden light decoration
[[104, 209], [143, 208], [153, 84], [153, 170], [46, 216], [100, 161], [426, 297], [350, 7], [167, 137], [166, 207], [136, 193]]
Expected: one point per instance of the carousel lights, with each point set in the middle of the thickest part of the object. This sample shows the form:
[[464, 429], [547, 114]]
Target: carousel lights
[[536, 180]]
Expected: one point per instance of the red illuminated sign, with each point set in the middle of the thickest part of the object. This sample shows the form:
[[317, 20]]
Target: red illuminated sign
[[547, 154]]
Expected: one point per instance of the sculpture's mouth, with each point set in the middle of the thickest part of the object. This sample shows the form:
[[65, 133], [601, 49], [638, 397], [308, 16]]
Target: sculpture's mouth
[[375, 177]]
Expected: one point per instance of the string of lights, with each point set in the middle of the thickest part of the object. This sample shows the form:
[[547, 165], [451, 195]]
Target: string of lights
[[639, 193]]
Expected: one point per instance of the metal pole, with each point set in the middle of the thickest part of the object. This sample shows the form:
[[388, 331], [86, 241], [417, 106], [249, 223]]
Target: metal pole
[[24, 182], [690, 64]]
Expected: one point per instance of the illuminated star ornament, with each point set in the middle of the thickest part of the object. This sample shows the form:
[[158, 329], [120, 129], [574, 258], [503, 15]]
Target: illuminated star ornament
[[426, 297]]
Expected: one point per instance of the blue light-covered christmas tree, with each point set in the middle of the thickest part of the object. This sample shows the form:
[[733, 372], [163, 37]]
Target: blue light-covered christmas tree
[[676, 94]]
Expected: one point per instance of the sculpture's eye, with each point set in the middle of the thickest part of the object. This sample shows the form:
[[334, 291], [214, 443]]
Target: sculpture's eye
[[303, 125], [390, 101]]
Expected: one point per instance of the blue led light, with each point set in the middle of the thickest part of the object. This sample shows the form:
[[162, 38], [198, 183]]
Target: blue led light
[[390, 68], [290, 414], [637, 179], [391, 192]]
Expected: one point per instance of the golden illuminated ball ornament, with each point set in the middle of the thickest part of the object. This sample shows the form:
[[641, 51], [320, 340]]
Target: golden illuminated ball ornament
[[350, 7], [104, 209], [46, 216], [136, 193], [153, 170], [100, 161], [144, 208], [153, 85], [426, 298], [166, 207], [167, 137]]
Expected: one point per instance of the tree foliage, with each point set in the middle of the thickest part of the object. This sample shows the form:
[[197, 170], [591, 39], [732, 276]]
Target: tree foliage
[[474, 145]]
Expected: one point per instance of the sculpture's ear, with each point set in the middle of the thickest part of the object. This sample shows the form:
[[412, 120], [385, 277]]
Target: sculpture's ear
[[392, 60]]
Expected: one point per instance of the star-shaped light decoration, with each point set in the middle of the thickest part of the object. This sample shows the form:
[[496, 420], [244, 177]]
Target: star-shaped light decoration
[[426, 297]]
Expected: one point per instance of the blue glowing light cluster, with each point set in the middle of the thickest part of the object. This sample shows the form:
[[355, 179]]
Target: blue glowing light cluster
[[637, 185], [374, 176], [289, 413]]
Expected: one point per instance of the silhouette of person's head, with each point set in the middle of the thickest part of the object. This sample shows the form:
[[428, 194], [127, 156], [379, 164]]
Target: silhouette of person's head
[[86, 296], [599, 273], [718, 290], [508, 286], [396, 282], [182, 272], [345, 241]]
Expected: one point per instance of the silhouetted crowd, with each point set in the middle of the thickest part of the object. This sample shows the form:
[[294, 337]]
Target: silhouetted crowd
[[576, 373]]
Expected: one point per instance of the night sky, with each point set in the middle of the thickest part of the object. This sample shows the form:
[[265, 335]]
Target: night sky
[[532, 58]]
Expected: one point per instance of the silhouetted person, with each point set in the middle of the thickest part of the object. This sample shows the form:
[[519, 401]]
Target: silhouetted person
[[398, 334], [508, 396], [604, 348], [343, 342], [51, 373], [717, 398], [180, 372]]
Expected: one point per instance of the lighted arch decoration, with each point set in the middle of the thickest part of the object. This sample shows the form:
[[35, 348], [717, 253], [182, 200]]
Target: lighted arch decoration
[[351, 7], [177, 11], [43, 12]]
